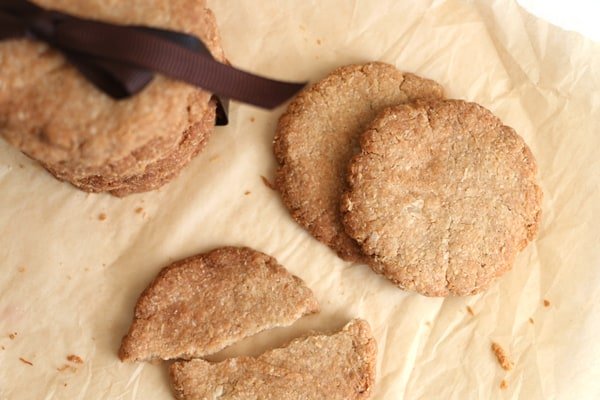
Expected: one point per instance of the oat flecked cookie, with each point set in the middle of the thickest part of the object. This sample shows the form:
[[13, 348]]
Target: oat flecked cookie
[[442, 196], [338, 366], [53, 114], [318, 134], [200, 305]]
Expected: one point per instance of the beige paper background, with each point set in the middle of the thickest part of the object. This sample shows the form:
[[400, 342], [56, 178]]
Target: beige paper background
[[68, 282]]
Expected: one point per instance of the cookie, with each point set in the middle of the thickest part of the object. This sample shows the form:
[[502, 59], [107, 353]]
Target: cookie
[[338, 366], [54, 115], [200, 305], [156, 173], [318, 134], [441, 197]]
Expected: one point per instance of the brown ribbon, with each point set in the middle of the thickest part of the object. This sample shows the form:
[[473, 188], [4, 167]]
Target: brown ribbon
[[121, 60]]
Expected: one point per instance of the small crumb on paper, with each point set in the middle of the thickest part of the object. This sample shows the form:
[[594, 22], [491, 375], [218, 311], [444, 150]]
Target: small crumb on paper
[[22, 269], [252, 119], [247, 192], [503, 384], [470, 310], [24, 361], [66, 367], [101, 217], [75, 359], [139, 210], [531, 321], [267, 182], [503, 359], [214, 158], [12, 336], [319, 42], [546, 303]]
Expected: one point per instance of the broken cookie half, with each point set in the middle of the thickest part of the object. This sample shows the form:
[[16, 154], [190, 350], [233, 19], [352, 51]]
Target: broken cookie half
[[202, 304], [319, 366]]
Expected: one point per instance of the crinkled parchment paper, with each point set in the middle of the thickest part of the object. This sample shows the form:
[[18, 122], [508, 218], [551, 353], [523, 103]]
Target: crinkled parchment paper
[[69, 280]]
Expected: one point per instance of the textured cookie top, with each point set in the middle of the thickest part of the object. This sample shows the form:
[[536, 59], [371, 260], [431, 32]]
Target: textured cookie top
[[318, 134], [54, 114], [202, 304], [442, 196], [339, 366]]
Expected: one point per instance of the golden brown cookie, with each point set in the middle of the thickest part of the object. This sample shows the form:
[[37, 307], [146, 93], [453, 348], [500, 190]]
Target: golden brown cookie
[[204, 303], [338, 366], [318, 134], [442, 196], [156, 173], [53, 114]]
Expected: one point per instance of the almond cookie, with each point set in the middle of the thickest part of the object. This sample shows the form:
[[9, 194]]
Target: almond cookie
[[202, 304], [442, 196], [53, 114], [318, 134], [338, 366], [156, 173]]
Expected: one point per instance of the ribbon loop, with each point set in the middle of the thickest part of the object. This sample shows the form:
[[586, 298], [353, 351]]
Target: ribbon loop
[[121, 60], [42, 26]]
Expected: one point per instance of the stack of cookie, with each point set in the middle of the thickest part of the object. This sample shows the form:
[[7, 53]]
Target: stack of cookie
[[437, 195], [198, 306], [53, 114]]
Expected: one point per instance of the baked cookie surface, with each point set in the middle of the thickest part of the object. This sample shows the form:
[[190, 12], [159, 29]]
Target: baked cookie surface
[[200, 305], [442, 196], [338, 366], [156, 173], [53, 114], [318, 134]]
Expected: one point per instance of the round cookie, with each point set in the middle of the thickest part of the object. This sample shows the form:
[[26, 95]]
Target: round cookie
[[318, 134], [156, 173], [53, 114], [442, 196]]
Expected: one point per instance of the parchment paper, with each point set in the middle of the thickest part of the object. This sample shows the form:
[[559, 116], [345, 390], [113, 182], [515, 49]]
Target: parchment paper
[[68, 281]]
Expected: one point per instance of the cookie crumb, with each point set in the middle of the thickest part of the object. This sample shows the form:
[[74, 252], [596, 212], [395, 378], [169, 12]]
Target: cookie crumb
[[21, 166], [503, 384], [247, 192], [12, 336], [503, 360], [22, 269], [2, 347], [546, 303], [319, 42], [267, 182], [470, 310], [213, 158], [25, 361], [531, 321], [66, 367], [75, 359], [65, 385], [139, 210], [252, 119], [101, 216]]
